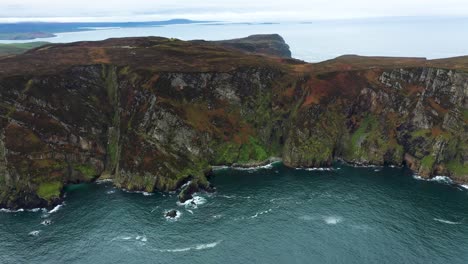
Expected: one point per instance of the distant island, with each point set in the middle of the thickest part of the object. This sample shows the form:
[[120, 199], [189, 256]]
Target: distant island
[[36, 30]]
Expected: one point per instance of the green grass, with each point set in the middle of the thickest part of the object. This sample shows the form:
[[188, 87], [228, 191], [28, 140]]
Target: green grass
[[465, 115], [458, 168], [428, 162], [19, 48], [87, 170], [49, 190]]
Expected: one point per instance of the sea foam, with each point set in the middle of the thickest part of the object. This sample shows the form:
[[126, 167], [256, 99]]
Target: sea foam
[[446, 221], [34, 233], [193, 203], [332, 220]]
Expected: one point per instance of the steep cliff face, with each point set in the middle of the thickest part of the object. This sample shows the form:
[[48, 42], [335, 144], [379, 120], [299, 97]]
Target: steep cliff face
[[153, 114], [413, 116]]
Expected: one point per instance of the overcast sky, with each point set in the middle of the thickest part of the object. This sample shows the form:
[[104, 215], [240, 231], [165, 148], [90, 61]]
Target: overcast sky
[[225, 10]]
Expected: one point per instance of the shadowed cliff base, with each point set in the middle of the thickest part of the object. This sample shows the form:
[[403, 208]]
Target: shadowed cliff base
[[156, 114]]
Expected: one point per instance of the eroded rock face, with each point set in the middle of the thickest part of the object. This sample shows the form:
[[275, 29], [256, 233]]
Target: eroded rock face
[[150, 129]]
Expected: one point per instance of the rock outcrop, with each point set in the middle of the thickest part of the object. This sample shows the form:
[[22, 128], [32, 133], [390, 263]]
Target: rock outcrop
[[155, 114]]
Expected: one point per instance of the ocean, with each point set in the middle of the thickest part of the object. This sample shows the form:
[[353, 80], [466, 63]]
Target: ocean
[[270, 215]]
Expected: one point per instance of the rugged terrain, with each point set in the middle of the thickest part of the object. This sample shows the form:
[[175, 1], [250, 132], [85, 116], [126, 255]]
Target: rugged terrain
[[155, 114]]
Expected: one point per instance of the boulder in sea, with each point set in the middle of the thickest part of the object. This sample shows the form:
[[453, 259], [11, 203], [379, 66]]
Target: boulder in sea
[[171, 214]]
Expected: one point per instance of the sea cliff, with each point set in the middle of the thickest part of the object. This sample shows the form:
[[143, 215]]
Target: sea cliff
[[155, 114]]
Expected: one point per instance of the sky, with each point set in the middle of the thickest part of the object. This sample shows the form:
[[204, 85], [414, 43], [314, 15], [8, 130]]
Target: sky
[[223, 10]]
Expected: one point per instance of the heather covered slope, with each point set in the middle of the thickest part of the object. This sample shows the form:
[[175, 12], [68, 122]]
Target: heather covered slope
[[154, 114]]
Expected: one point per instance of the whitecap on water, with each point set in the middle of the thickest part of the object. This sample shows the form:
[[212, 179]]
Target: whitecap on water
[[446, 221], [139, 192], [4, 210], [196, 247], [110, 192], [332, 220], [441, 179], [56, 208], [34, 233], [316, 169], [464, 186], [141, 238], [193, 203], [261, 213]]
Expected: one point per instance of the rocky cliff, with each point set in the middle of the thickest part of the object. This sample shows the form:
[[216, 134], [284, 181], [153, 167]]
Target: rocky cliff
[[156, 114]]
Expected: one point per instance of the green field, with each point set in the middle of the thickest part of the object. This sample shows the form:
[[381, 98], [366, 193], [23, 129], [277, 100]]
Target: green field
[[12, 49]]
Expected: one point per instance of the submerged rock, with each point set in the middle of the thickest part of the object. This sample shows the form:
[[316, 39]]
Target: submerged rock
[[171, 214]]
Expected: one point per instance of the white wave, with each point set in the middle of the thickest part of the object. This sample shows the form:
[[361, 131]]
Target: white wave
[[261, 167], [4, 210], [464, 186], [56, 208], [178, 215], [254, 168], [104, 181], [190, 211], [110, 192], [196, 247], [318, 169], [138, 192], [46, 222], [446, 221], [235, 197], [261, 213], [34, 233], [34, 210], [440, 179], [185, 185], [141, 238], [217, 168], [193, 203], [217, 216], [332, 220]]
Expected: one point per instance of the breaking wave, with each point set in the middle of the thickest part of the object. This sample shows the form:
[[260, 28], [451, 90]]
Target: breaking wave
[[196, 247], [193, 203], [56, 208], [261, 213], [333, 220], [34, 233], [446, 221], [316, 169]]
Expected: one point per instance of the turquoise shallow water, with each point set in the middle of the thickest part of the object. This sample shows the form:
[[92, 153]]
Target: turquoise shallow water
[[278, 215]]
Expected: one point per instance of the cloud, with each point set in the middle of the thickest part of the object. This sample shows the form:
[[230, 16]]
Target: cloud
[[238, 10]]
